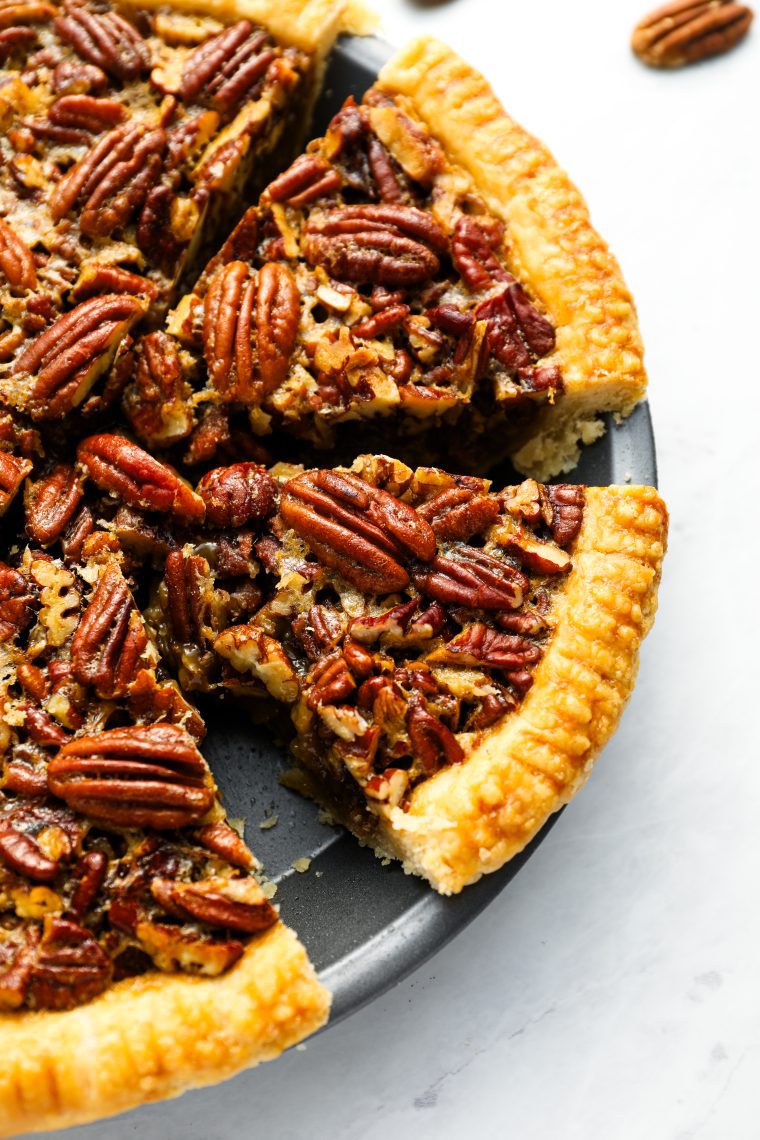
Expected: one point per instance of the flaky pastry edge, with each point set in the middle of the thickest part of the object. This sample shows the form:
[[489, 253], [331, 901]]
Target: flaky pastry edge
[[553, 246], [470, 819], [155, 1036]]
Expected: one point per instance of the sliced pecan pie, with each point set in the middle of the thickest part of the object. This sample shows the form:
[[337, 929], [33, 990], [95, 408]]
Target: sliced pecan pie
[[425, 263]]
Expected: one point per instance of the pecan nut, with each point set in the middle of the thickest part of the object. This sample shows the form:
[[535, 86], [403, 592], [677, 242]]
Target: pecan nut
[[236, 495], [16, 603], [13, 471], [470, 577], [23, 854], [68, 357], [144, 776], [110, 641], [688, 31], [106, 40], [361, 531], [123, 469], [157, 403], [310, 177], [51, 502], [234, 904], [225, 68], [189, 595], [250, 650], [16, 260], [473, 246], [277, 315], [391, 245], [433, 743], [562, 508], [457, 513], [70, 967], [478, 644], [224, 841], [517, 332], [228, 317]]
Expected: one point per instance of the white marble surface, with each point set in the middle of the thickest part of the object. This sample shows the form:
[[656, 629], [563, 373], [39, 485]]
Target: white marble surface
[[613, 990]]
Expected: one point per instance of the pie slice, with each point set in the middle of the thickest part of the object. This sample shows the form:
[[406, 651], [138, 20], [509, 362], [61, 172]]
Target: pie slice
[[139, 954], [423, 277], [132, 138]]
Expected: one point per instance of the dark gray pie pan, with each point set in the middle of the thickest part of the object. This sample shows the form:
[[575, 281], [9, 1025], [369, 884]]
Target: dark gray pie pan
[[366, 925]]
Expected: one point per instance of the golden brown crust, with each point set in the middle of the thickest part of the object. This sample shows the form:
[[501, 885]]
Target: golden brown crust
[[156, 1036], [555, 249], [470, 819]]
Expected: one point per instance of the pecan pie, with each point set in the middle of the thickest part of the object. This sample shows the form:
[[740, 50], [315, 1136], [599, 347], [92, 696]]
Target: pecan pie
[[424, 265], [449, 654]]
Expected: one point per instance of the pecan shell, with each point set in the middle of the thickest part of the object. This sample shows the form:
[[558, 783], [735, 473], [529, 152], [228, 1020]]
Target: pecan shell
[[688, 31], [145, 776], [123, 469]]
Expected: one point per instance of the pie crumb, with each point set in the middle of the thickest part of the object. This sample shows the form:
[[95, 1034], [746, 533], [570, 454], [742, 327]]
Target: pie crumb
[[270, 821], [301, 865]]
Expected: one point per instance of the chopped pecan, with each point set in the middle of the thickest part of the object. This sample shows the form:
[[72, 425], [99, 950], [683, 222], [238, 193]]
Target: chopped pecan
[[688, 31], [224, 841], [157, 403], [13, 471], [106, 40], [69, 967], [123, 469], [249, 650], [458, 513], [537, 557], [234, 904], [50, 503], [16, 260], [110, 641], [319, 629], [68, 357], [356, 529], [478, 644], [175, 948], [16, 602], [329, 682], [470, 577], [310, 177], [562, 508], [236, 495], [391, 245], [226, 68], [144, 776], [22, 854]]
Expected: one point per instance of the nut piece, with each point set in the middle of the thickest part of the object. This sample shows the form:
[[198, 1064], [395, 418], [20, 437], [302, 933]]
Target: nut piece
[[144, 776], [562, 508], [13, 472], [50, 503], [277, 314], [480, 645], [157, 403], [249, 650], [22, 854], [16, 261], [124, 469], [688, 31], [236, 495], [456, 514], [235, 904], [359, 530], [110, 640], [16, 602]]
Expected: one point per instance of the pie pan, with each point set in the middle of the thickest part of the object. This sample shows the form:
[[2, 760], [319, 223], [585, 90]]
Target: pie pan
[[365, 925]]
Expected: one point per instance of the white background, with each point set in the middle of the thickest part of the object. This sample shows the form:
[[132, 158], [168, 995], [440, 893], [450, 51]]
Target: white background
[[612, 992]]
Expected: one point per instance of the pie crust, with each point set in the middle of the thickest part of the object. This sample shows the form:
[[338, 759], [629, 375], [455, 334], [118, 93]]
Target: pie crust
[[156, 1036], [557, 251]]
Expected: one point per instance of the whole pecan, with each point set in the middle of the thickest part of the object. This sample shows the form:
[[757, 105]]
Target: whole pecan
[[478, 644], [23, 854], [458, 513], [189, 593], [225, 68], [234, 904], [562, 509], [110, 640], [16, 602], [112, 181], [687, 31], [143, 776], [356, 529], [391, 245], [470, 577], [310, 177], [69, 968], [16, 261], [123, 469], [156, 404], [105, 39], [74, 78], [236, 495], [68, 357], [50, 503], [13, 471]]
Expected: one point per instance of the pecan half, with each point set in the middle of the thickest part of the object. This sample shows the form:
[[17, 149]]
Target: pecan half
[[356, 529], [473, 246], [516, 330], [224, 841], [225, 68], [110, 640], [144, 776], [432, 742], [234, 904], [13, 471], [391, 245], [562, 508], [310, 177], [16, 602], [458, 513], [189, 593], [68, 357], [16, 261], [50, 503], [480, 645], [123, 469], [688, 31], [23, 854], [277, 314], [69, 967], [156, 404], [236, 495], [25, 12], [470, 577], [90, 872], [113, 179], [228, 316], [105, 39]]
